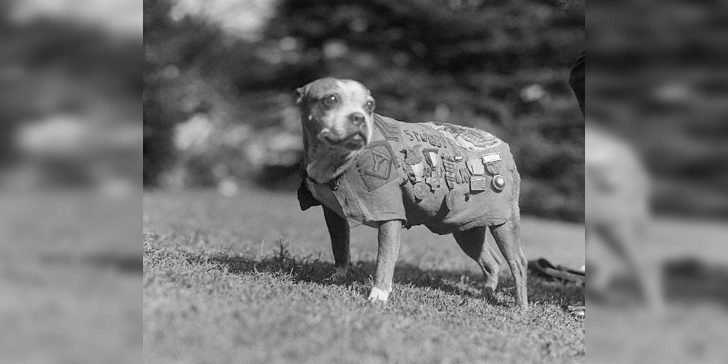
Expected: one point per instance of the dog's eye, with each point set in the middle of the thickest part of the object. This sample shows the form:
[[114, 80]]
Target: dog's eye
[[329, 101], [370, 106]]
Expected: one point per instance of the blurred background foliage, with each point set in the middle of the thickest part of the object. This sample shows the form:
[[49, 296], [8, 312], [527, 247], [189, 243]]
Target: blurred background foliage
[[69, 102], [219, 83], [659, 79]]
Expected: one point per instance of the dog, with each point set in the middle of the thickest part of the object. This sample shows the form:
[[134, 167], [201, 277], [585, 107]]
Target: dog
[[617, 212], [389, 174]]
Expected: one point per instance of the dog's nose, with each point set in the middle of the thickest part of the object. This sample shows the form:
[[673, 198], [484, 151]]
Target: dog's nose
[[357, 118]]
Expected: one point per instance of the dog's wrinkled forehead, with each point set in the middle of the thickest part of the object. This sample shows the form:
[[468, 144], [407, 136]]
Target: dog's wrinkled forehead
[[347, 89]]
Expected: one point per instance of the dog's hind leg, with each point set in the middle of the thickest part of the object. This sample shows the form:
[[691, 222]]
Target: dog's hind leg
[[473, 243], [339, 233], [627, 240], [508, 238]]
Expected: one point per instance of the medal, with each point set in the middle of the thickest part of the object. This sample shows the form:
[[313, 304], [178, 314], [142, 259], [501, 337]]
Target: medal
[[420, 191]]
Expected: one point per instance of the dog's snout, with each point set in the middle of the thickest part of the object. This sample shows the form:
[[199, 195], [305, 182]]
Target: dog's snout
[[357, 118]]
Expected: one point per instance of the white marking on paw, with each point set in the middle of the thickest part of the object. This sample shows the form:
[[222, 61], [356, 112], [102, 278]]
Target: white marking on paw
[[378, 295]]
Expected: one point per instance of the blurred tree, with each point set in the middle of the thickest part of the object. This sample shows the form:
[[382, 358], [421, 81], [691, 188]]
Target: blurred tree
[[64, 71], [172, 50], [158, 150], [661, 84]]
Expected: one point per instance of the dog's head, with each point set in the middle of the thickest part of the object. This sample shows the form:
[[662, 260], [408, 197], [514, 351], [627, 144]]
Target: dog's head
[[336, 113]]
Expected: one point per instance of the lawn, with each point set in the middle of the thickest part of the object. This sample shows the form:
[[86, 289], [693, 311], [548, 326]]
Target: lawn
[[245, 279]]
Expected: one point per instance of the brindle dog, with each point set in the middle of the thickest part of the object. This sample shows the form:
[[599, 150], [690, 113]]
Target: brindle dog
[[338, 124]]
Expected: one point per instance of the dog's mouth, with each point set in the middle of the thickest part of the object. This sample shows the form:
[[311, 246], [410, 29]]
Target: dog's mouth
[[352, 142]]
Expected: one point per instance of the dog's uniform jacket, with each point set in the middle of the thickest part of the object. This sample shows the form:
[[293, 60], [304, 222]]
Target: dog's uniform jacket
[[448, 177]]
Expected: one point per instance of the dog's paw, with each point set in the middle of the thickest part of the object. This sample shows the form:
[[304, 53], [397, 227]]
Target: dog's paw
[[339, 275], [378, 295], [488, 294]]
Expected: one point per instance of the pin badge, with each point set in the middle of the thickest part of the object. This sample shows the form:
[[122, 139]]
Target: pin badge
[[477, 183], [464, 174], [450, 200], [450, 170], [433, 182], [491, 162], [475, 166], [498, 183], [412, 155], [418, 169], [431, 157], [420, 191], [490, 158]]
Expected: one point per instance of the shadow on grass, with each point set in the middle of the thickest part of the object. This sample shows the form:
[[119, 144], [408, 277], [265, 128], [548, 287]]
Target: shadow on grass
[[685, 281], [457, 282], [690, 280]]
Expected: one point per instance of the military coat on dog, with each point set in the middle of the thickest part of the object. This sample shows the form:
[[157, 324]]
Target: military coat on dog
[[447, 177]]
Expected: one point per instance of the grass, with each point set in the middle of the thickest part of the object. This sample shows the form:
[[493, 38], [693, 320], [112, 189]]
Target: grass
[[70, 280], [245, 279]]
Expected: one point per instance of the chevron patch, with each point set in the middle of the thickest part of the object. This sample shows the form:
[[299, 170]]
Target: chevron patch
[[390, 131]]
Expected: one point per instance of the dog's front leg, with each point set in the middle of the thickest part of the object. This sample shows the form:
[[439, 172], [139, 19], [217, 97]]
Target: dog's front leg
[[339, 233], [389, 234]]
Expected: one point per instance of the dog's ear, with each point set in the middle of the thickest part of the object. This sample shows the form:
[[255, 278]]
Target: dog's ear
[[301, 94], [371, 105]]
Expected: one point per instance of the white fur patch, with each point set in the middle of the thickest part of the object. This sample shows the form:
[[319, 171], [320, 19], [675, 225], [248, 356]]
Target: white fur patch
[[378, 295]]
